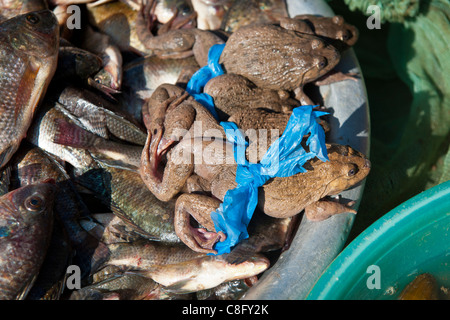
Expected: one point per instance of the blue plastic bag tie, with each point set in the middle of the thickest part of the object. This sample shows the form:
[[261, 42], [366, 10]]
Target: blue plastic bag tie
[[284, 158], [203, 75]]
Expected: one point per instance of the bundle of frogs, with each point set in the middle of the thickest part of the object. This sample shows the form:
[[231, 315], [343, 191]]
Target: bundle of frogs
[[111, 170]]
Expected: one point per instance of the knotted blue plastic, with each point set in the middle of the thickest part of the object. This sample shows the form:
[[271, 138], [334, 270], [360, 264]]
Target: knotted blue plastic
[[284, 158], [203, 75]]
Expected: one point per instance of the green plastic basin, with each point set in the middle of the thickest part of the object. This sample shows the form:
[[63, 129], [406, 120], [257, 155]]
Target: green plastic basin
[[409, 240]]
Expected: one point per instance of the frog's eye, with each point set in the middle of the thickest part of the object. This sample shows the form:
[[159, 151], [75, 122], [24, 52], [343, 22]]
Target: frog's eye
[[352, 172], [343, 35], [321, 62], [32, 18], [34, 203]]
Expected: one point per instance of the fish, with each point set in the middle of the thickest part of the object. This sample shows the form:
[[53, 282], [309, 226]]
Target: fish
[[203, 273], [11, 8], [26, 220], [75, 64], [109, 79], [117, 287], [100, 116], [109, 228], [109, 152], [51, 280], [126, 195], [36, 166], [43, 130], [28, 59], [230, 290]]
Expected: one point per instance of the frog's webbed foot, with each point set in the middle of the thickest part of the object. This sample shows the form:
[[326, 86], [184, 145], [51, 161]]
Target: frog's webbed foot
[[200, 208], [323, 209], [336, 76], [301, 96]]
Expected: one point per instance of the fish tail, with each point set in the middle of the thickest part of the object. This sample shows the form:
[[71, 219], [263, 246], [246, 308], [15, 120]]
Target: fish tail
[[69, 134]]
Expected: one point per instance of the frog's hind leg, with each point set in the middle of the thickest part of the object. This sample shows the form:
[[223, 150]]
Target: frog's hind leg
[[323, 209], [199, 207]]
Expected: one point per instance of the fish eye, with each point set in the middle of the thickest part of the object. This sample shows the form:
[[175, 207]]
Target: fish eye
[[32, 18], [34, 203]]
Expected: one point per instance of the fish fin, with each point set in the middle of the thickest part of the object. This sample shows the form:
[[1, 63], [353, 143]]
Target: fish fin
[[118, 164], [25, 88], [69, 134], [135, 229], [179, 286], [238, 255]]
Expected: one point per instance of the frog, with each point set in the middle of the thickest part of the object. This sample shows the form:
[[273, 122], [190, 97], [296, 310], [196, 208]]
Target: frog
[[215, 174], [233, 93], [170, 116], [175, 42], [274, 57], [334, 29], [280, 197]]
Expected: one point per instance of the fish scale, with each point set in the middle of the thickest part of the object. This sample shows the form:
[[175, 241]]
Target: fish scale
[[28, 59]]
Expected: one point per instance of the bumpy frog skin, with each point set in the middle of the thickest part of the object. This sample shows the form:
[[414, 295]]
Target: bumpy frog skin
[[215, 174], [334, 30], [276, 58], [233, 93], [180, 43]]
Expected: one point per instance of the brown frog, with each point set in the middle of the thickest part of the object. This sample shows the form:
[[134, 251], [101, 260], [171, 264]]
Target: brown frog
[[178, 43], [276, 58], [233, 93], [215, 173], [279, 197], [332, 29], [169, 116]]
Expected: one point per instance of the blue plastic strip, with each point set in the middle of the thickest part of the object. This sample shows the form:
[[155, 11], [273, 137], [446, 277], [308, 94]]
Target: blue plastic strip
[[203, 75], [284, 158]]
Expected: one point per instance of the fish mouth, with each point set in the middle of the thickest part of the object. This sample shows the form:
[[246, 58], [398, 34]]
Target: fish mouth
[[107, 90]]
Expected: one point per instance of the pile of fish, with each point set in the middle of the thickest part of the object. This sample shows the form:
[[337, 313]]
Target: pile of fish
[[85, 88]]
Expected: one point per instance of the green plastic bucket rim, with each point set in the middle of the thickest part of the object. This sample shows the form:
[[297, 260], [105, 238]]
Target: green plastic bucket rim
[[403, 214]]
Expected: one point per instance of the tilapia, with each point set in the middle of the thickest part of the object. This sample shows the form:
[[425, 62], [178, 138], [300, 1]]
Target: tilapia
[[12, 8], [76, 64], [28, 59], [204, 272], [42, 133], [112, 153], [109, 79], [125, 194], [36, 166], [120, 287], [26, 216], [101, 116]]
